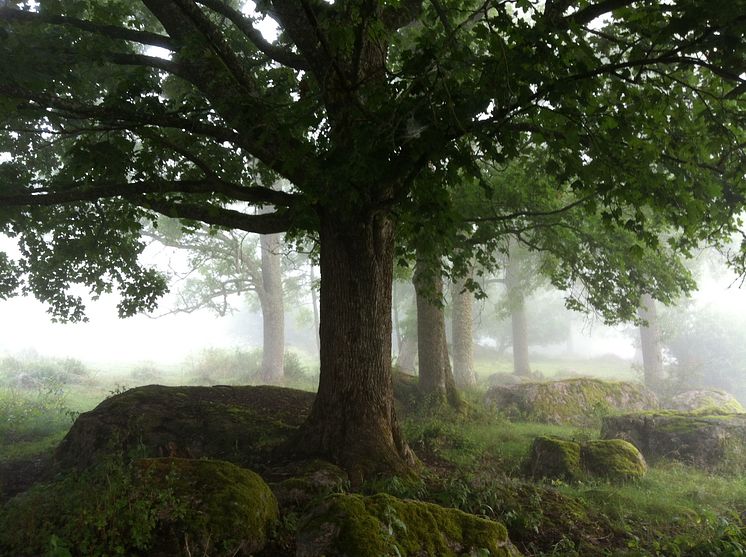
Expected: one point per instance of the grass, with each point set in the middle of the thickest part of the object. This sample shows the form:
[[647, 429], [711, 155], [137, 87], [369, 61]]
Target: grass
[[476, 464], [674, 510], [603, 367]]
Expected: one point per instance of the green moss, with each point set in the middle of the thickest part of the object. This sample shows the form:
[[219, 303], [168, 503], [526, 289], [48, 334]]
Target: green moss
[[553, 457], [383, 525], [581, 401], [219, 505], [614, 459], [161, 506]]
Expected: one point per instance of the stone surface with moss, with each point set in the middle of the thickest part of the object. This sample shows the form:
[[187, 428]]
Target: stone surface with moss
[[243, 425], [552, 457], [579, 401], [298, 483], [713, 442], [157, 507], [556, 458], [382, 525], [709, 401], [614, 459]]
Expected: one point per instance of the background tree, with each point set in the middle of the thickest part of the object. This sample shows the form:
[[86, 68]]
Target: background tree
[[374, 111], [462, 333], [225, 264]]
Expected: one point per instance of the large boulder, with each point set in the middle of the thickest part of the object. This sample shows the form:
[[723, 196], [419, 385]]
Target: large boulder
[[612, 459], [706, 401], [382, 525], [242, 425], [572, 401], [157, 507], [714, 442]]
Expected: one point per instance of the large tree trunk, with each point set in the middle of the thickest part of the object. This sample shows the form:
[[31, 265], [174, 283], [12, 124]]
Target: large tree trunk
[[650, 342], [518, 320], [435, 375], [353, 422], [273, 310], [462, 302]]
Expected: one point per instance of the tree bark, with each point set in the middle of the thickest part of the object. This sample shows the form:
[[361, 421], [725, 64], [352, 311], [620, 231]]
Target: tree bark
[[462, 303], [518, 320], [436, 381], [650, 342], [353, 421], [273, 310]]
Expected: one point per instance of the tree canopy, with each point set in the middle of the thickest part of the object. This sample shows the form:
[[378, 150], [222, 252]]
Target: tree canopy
[[374, 111]]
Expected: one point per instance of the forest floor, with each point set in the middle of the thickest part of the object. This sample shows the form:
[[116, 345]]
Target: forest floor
[[474, 462]]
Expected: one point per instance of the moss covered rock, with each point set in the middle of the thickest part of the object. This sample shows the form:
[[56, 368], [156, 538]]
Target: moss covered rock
[[218, 508], [242, 425], [158, 507], [556, 458], [614, 459], [552, 457], [382, 525], [712, 442], [572, 401], [298, 483], [706, 401]]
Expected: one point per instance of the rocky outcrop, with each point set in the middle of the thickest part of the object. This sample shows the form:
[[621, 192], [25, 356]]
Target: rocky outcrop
[[714, 442], [572, 401], [613, 459], [242, 425], [347, 525], [706, 401]]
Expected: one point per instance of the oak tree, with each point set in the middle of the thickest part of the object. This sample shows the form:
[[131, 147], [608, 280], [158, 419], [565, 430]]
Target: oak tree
[[374, 110]]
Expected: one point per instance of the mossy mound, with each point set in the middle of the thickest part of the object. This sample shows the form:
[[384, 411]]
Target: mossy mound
[[573, 401], [706, 401], [242, 425], [382, 525], [158, 507], [714, 442], [297, 484], [612, 459], [552, 457]]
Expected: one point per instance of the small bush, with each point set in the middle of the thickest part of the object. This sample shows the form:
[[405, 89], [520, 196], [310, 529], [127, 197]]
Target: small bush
[[39, 372]]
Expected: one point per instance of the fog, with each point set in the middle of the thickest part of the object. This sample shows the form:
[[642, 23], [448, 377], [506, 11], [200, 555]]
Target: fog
[[171, 341]]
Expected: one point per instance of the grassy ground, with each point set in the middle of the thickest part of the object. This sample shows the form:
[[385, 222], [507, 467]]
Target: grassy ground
[[475, 463]]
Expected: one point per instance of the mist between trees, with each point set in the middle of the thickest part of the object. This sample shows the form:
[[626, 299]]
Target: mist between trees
[[457, 150]]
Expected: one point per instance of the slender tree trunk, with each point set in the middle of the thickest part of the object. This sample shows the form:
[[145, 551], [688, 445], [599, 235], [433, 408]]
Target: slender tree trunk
[[462, 303], [315, 304], [397, 322], [408, 354], [436, 377], [273, 310], [518, 320], [353, 421], [650, 342]]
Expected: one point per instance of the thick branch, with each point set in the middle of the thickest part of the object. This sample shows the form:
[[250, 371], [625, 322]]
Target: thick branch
[[278, 54], [588, 14], [75, 110], [267, 223], [45, 197], [111, 31]]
